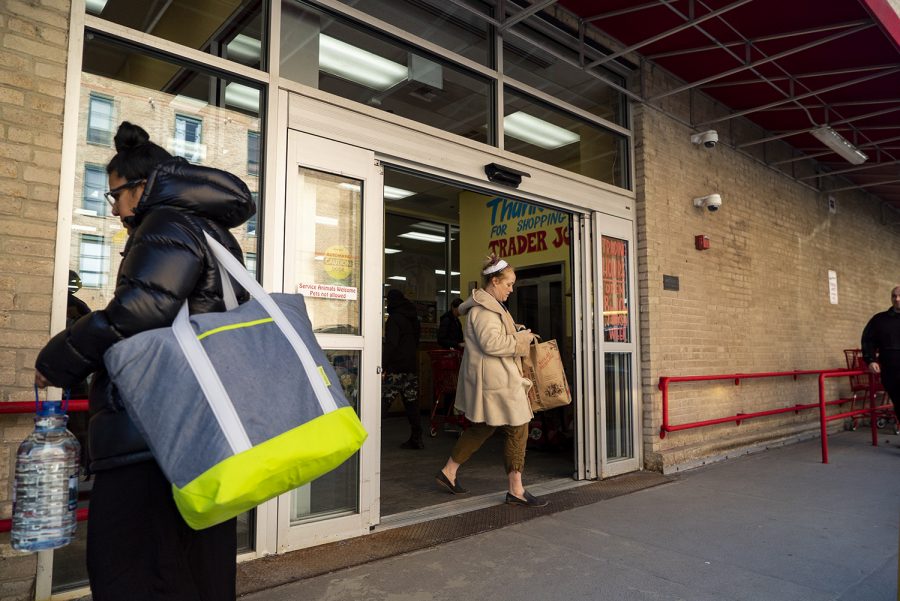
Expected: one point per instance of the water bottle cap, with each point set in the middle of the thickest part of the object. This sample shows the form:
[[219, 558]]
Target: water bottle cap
[[50, 408]]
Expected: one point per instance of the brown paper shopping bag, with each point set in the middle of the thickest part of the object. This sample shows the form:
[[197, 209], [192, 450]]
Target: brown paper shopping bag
[[543, 366]]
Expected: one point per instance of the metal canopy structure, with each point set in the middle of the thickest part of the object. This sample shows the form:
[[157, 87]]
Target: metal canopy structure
[[790, 67]]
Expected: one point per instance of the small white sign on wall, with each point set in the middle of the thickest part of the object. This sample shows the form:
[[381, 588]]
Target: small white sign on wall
[[832, 286]]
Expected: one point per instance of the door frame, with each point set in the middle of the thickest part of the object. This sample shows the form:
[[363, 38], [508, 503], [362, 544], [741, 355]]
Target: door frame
[[313, 152], [606, 225]]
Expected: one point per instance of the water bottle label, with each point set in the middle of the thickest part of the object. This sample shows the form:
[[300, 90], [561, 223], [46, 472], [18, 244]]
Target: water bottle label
[[73, 492]]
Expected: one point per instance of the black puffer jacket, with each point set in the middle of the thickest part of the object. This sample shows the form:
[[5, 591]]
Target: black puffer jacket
[[165, 261]]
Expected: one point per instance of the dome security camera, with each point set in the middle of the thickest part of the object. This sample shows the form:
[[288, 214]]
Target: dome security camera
[[708, 138], [712, 202]]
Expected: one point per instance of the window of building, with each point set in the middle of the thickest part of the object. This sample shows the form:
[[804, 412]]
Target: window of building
[[251, 223], [187, 141], [341, 57], [100, 120], [93, 261], [94, 187], [253, 153], [539, 65], [233, 30], [551, 135], [250, 263], [443, 23]]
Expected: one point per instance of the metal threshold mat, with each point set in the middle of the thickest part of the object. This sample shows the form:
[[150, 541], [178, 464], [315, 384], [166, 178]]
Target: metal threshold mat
[[275, 570]]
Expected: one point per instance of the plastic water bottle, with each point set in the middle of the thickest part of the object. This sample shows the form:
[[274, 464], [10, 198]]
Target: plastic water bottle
[[45, 495]]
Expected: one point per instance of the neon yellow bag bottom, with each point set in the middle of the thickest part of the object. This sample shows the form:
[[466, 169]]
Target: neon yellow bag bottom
[[269, 469]]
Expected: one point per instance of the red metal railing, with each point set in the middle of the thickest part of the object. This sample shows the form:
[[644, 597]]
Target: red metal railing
[[870, 411], [28, 407], [738, 417]]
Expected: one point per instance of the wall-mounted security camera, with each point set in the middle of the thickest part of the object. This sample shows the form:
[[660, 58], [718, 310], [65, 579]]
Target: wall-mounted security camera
[[708, 138], [712, 202]]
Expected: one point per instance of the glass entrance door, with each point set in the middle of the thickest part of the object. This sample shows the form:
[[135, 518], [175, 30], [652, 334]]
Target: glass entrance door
[[617, 412], [333, 219]]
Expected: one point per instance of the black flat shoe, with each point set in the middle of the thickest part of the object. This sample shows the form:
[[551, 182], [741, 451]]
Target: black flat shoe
[[529, 501], [452, 488]]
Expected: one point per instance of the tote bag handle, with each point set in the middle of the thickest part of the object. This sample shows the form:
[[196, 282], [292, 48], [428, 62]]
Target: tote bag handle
[[203, 369]]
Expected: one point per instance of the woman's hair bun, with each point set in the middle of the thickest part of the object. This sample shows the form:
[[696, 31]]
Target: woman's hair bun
[[489, 261], [130, 135]]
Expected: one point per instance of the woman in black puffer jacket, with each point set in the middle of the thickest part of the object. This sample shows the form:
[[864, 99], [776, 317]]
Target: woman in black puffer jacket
[[138, 545]]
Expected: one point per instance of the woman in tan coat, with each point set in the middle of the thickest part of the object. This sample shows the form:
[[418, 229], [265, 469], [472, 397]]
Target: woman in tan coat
[[491, 390]]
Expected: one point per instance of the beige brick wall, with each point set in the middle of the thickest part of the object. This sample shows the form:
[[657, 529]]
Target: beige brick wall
[[33, 46], [758, 299]]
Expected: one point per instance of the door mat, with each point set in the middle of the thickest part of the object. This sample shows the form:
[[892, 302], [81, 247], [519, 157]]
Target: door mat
[[275, 570]]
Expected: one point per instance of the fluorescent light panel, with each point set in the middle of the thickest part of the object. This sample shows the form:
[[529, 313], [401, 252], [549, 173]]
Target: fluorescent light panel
[[421, 237], [528, 128], [357, 65], [391, 251], [841, 145], [392, 193], [442, 272], [242, 96], [429, 227], [401, 278]]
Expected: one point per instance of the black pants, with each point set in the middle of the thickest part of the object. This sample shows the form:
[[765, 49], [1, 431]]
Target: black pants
[[890, 378], [139, 548]]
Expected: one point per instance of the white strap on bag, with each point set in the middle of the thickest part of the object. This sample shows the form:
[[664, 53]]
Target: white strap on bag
[[209, 381]]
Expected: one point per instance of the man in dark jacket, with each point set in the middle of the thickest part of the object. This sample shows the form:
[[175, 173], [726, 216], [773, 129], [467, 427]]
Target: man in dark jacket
[[881, 348], [450, 332], [138, 546], [400, 365]]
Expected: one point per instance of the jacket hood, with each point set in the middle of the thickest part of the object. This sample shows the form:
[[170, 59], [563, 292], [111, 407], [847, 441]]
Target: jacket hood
[[483, 299], [203, 191]]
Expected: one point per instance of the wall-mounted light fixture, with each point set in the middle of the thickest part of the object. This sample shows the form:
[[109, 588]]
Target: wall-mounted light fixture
[[841, 145]]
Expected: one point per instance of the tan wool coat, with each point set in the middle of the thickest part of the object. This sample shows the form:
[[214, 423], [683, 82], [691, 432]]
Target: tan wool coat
[[491, 388]]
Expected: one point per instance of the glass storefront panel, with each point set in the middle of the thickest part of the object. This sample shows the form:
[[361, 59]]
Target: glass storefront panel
[[616, 297], [532, 65], [337, 492], [188, 112], [232, 29], [332, 54], [328, 249], [442, 23], [550, 135], [619, 417]]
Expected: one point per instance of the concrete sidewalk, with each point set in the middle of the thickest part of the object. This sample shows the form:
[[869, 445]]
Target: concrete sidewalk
[[773, 526]]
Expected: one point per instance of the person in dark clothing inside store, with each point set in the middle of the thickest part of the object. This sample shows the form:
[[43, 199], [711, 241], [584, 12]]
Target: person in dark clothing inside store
[[450, 332], [399, 359], [138, 546], [881, 348]]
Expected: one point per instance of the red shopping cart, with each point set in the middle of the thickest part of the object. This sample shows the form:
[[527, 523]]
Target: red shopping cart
[[865, 389], [444, 373]]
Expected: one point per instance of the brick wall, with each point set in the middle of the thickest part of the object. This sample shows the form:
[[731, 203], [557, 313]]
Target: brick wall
[[758, 299], [33, 47]]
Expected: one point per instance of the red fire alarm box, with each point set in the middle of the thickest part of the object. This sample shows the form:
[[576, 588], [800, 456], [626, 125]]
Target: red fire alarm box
[[701, 242]]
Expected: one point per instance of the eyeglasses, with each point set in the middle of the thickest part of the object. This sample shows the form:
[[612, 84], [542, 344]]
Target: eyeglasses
[[113, 195]]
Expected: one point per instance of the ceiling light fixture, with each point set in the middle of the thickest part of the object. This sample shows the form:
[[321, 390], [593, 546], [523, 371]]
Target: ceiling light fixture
[[391, 193], [243, 97], [359, 66], [244, 49], [528, 128], [421, 237], [841, 145], [401, 278], [391, 251], [442, 272]]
